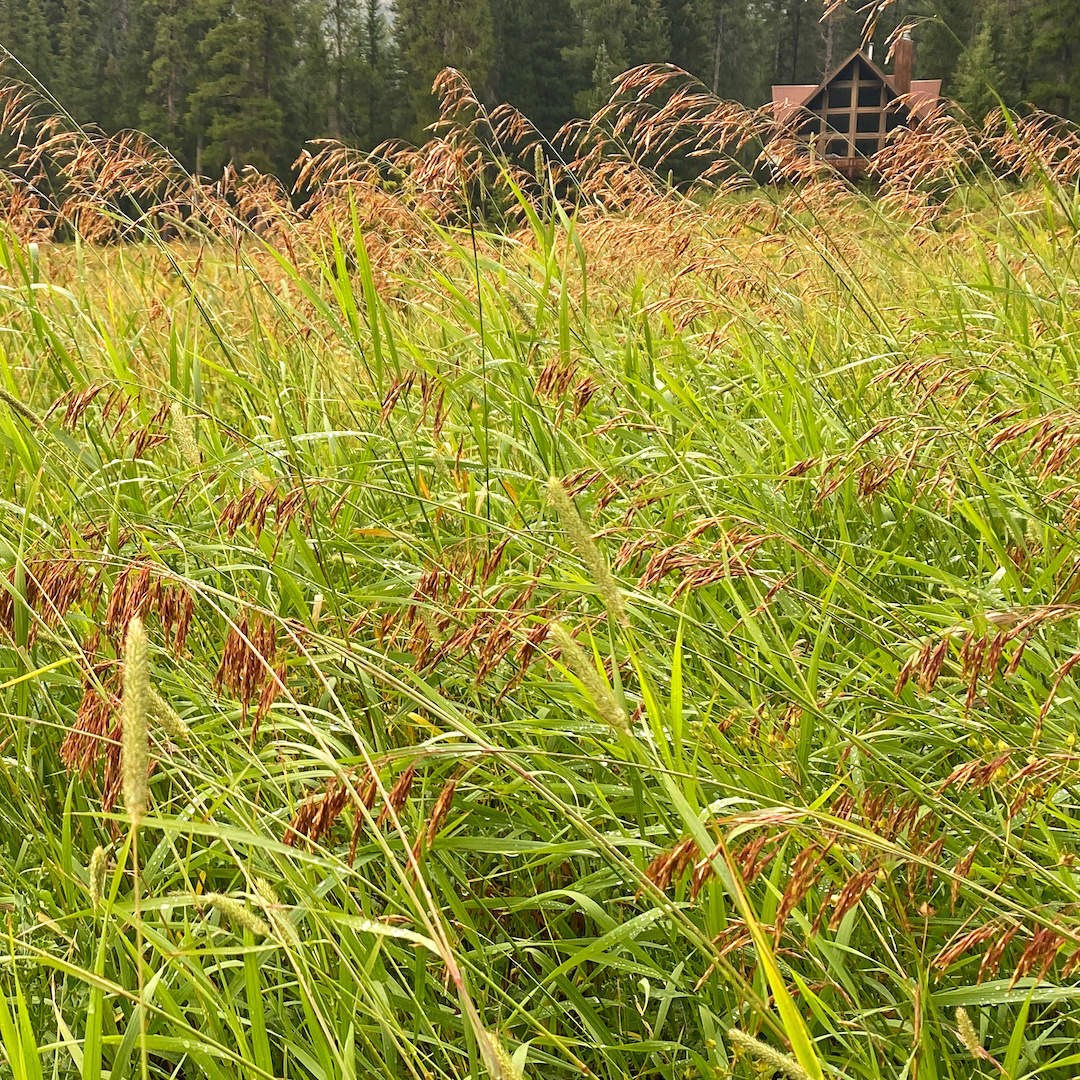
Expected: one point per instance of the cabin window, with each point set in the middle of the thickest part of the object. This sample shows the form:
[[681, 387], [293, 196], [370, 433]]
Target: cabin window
[[869, 97], [852, 116]]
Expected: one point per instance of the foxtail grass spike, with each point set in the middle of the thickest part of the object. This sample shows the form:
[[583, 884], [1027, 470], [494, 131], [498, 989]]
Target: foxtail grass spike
[[595, 685], [776, 1062], [24, 411], [590, 554], [168, 717], [134, 752], [966, 1030], [97, 877], [236, 913], [265, 892], [184, 429], [502, 1057]]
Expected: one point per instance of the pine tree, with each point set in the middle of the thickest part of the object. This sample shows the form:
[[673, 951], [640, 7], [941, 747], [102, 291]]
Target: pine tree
[[435, 34], [312, 109], [651, 41], [374, 95], [1056, 56], [605, 30], [978, 75], [739, 49], [237, 109], [689, 35], [174, 45], [949, 25], [342, 19], [124, 34], [37, 53], [530, 71], [72, 82], [12, 26]]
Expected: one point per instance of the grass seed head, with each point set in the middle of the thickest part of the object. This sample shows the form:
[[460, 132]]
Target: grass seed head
[[168, 717], [777, 1062], [595, 685], [590, 554], [136, 704], [237, 914], [502, 1059], [97, 877], [184, 430], [24, 411], [966, 1030]]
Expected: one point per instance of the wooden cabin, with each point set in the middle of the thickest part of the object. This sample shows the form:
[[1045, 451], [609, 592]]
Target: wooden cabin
[[846, 119]]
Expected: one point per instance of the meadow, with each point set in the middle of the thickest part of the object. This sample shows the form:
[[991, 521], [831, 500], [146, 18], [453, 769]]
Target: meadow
[[515, 615]]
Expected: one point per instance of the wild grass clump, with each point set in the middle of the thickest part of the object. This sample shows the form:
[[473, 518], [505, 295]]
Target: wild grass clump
[[638, 639]]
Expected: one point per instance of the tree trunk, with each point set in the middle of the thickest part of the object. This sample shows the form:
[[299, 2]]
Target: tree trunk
[[795, 39], [718, 53], [830, 43]]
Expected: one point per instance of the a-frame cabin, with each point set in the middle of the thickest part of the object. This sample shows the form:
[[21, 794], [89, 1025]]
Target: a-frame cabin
[[846, 118]]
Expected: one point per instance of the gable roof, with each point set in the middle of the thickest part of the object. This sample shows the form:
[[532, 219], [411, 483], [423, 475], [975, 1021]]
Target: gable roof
[[788, 100]]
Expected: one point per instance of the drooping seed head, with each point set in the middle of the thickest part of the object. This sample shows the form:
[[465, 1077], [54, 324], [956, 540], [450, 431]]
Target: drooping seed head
[[236, 913], [168, 717], [595, 684]]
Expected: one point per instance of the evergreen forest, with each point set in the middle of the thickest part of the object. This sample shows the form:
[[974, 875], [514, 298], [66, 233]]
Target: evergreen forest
[[249, 82]]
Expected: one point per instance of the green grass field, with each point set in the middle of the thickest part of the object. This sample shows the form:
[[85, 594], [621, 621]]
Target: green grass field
[[797, 763]]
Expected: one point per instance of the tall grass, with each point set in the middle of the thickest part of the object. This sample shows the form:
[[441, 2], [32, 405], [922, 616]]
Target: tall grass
[[790, 790]]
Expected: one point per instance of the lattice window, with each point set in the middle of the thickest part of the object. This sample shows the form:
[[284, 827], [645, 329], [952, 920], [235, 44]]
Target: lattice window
[[853, 114]]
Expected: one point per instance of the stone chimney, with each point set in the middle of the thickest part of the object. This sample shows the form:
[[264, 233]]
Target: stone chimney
[[903, 63]]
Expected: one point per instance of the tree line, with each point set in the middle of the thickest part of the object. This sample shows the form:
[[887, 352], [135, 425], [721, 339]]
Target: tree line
[[250, 81]]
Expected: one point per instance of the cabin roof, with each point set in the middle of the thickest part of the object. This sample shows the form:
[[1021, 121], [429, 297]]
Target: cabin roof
[[787, 100]]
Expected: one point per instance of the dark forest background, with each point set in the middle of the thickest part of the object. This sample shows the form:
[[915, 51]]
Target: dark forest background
[[250, 81]]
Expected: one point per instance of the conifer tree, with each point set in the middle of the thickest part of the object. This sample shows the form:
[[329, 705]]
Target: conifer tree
[[978, 75], [72, 83], [435, 34], [651, 41], [12, 22], [530, 70], [379, 119], [37, 53], [237, 109], [1055, 55], [342, 19], [605, 30], [123, 32], [174, 46]]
